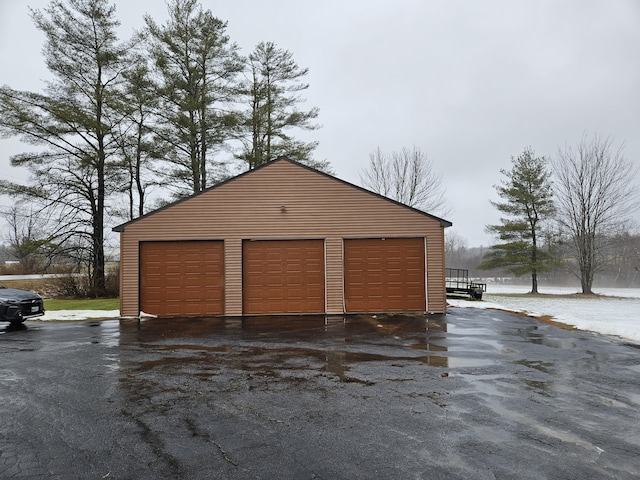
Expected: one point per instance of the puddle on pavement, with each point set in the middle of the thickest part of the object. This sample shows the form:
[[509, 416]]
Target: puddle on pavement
[[283, 345], [275, 345], [278, 329], [545, 367], [13, 328], [158, 329], [462, 362], [286, 352], [533, 335], [106, 332], [562, 343], [539, 386]]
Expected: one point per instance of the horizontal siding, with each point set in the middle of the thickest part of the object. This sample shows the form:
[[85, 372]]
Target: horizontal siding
[[249, 207], [233, 276], [334, 278], [436, 290], [129, 275]]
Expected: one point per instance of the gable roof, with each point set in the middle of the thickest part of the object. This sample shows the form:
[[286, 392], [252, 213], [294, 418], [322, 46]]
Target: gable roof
[[120, 228]]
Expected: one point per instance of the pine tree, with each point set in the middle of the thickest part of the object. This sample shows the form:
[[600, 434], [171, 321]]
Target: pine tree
[[196, 66], [136, 143], [527, 203], [271, 92], [73, 121]]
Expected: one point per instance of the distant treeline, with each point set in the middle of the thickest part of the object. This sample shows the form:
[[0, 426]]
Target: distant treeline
[[621, 269]]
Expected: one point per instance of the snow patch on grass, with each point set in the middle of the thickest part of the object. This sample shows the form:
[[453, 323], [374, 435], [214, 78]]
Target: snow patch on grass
[[615, 312], [71, 315]]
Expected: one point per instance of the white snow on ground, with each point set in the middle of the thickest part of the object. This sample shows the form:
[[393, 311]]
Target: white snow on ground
[[67, 315], [616, 312], [612, 292]]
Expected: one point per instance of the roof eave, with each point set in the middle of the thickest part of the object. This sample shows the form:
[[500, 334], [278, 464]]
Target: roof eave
[[443, 223]]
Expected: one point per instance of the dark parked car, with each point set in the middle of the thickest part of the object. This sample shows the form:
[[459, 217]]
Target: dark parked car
[[18, 305]]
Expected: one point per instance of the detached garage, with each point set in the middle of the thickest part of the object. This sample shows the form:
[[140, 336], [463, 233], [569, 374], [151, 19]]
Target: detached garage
[[282, 239]]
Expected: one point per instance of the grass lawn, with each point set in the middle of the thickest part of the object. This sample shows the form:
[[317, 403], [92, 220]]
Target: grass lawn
[[52, 304]]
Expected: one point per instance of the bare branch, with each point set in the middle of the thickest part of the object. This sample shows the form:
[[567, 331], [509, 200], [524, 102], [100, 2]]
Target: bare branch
[[408, 177], [595, 190]]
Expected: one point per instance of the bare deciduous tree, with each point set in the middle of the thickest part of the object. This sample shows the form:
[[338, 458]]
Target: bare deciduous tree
[[595, 190], [455, 249], [29, 238], [623, 257], [408, 177]]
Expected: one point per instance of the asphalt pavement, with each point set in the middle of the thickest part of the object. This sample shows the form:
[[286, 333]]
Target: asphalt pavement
[[475, 394]]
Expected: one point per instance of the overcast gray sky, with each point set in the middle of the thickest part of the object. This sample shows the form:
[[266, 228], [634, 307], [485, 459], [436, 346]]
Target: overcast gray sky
[[469, 82]]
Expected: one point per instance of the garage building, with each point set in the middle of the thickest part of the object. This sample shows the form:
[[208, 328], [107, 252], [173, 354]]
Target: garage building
[[282, 239]]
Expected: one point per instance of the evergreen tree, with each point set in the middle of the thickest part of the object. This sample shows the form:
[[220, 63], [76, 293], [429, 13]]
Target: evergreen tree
[[527, 204], [272, 94], [136, 144], [196, 67], [74, 122]]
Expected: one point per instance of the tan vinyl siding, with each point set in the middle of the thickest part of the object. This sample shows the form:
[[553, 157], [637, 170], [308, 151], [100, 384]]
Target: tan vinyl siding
[[129, 275], [233, 276], [334, 285], [315, 206], [436, 290]]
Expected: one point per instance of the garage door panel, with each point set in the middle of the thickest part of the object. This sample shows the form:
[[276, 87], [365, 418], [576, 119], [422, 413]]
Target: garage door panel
[[172, 267], [182, 278], [283, 276], [384, 275], [273, 280]]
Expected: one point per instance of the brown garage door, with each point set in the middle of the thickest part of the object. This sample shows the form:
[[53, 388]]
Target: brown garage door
[[283, 276], [182, 278], [384, 275]]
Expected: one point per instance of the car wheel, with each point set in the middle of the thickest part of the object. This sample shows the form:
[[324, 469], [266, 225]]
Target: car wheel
[[15, 316]]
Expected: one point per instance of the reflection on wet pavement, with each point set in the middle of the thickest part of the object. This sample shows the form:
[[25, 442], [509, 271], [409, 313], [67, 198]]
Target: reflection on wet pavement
[[474, 394], [269, 346], [490, 365], [272, 344]]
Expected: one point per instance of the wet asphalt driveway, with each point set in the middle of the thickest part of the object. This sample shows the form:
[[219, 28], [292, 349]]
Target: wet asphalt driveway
[[472, 395]]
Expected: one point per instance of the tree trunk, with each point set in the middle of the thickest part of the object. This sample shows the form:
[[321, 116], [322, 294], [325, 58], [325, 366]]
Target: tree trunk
[[586, 282], [534, 282], [139, 186], [534, 256], [99, 284]]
